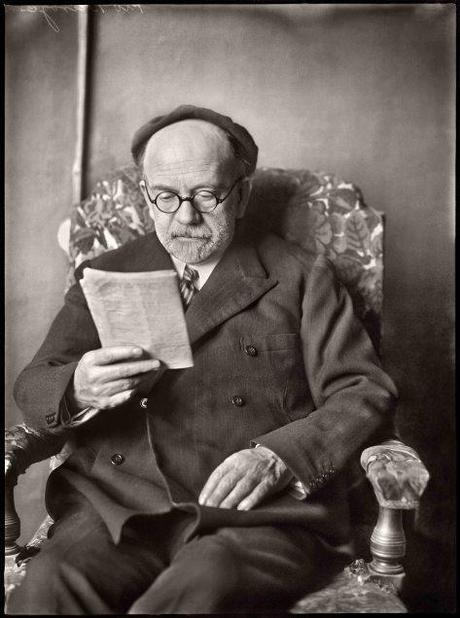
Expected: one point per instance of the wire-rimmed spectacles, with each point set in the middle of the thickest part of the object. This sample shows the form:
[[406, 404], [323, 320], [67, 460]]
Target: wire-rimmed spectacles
[[205, 201]]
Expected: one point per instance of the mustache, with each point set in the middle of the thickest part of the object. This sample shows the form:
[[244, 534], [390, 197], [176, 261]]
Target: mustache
[[189, 234]]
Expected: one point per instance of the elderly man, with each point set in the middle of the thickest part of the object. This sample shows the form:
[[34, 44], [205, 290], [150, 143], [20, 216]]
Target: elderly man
[[221, 487]]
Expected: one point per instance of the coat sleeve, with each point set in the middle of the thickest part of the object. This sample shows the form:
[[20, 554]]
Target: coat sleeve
[[40, 387], [354, 398]]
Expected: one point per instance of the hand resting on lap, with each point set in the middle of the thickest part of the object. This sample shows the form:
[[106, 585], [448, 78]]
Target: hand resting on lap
[[243, 479]]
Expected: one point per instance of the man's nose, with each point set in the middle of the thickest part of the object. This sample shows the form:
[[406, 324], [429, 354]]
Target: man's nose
[[187, 214]]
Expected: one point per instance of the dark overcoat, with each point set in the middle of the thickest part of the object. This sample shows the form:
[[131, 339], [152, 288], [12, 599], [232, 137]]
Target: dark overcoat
[[279, 359]]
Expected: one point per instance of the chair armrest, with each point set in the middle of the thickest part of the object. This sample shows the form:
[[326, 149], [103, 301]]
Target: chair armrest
[[398, 478], [24, 446], [396, 473]]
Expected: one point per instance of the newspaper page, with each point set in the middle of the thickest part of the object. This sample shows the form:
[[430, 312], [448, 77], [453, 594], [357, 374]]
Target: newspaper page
[[140, 308]]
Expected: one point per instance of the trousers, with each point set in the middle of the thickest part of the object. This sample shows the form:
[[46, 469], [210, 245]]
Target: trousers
[[155, 569]]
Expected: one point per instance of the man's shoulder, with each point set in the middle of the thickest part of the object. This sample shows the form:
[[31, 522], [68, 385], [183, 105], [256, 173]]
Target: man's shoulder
[[280, 254], [136, 255]]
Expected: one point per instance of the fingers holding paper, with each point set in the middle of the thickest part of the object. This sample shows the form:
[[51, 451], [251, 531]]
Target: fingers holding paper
[[109, 377]]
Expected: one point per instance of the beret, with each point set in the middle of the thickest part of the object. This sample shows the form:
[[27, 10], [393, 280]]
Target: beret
[[242, 140]]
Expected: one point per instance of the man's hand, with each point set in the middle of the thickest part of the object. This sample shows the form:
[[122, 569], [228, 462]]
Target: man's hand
[[109, 377], [244, 479]]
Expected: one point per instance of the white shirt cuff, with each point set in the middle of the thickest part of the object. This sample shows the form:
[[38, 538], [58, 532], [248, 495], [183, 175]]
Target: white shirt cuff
[[83, 416]]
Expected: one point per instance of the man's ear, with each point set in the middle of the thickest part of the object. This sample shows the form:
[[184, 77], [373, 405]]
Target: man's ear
[[150, 206], [244, 193]]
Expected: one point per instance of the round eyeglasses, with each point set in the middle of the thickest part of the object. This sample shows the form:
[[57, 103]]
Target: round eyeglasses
[[202, 201]]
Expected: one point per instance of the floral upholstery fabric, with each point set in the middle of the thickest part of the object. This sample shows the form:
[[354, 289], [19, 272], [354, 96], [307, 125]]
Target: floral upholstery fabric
[[318, 211]]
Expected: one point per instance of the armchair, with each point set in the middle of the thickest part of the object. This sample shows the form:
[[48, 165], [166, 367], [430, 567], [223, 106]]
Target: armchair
[[323, 215]]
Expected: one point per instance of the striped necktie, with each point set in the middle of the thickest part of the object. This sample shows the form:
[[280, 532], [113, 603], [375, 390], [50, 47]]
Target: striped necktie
[[188, 284]]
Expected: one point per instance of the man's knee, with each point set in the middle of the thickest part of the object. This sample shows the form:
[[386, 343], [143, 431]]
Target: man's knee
[[36, 592], [217, 573], [54, 586], [203, 578]]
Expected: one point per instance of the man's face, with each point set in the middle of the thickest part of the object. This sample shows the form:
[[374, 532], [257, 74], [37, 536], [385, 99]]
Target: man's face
[[187, 157]]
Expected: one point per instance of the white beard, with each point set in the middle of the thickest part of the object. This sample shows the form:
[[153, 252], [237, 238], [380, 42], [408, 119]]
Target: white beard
[[200, 248]]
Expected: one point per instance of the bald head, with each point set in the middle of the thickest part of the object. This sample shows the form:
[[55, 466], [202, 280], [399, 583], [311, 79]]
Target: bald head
[[189, 146]]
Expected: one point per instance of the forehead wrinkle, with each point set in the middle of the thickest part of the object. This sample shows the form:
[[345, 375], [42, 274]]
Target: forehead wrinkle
[[184, 166], [179, 146]]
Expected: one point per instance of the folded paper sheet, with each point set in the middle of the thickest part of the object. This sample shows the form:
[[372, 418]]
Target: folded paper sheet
[[144, 309]]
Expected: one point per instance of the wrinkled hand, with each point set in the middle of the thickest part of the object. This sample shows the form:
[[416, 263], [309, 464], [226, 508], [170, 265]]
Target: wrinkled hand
[[109, 377], [244, 479]]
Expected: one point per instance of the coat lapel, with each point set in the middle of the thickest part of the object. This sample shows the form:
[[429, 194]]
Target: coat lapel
[[237, 281]]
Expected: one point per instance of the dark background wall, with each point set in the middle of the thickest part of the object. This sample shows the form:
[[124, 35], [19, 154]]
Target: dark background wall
[[364, 91]]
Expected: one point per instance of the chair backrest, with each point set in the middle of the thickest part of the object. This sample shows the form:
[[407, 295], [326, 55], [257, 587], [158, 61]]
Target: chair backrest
[[318, 211]]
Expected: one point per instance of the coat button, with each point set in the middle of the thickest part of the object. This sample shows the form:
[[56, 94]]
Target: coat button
[[250, 350], [117, 459], [144, 402], [238, 401]]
